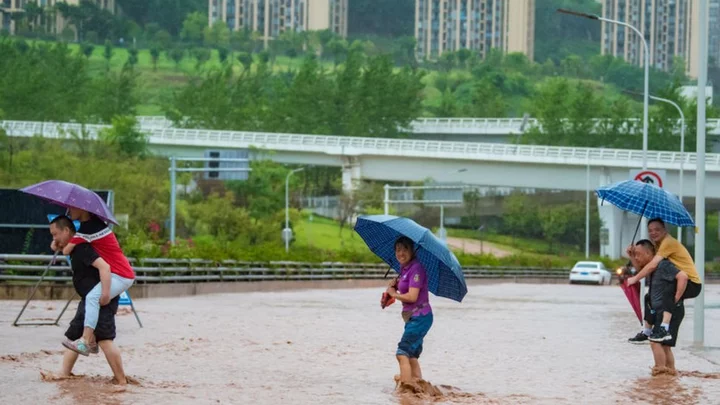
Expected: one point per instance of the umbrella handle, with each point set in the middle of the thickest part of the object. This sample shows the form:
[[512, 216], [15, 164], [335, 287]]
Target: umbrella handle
[[637, 228], [387, 272]]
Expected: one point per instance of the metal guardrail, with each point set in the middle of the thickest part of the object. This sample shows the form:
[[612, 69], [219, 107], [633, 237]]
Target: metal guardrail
[[345, 145], [29, 267]]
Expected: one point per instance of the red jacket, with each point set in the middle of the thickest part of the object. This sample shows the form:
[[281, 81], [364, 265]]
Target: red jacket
[[106, 245]]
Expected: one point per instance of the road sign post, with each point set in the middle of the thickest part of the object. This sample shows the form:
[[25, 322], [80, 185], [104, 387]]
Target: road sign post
[[655, 177]]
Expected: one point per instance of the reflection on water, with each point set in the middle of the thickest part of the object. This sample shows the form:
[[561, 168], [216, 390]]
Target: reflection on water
[[506, 344]]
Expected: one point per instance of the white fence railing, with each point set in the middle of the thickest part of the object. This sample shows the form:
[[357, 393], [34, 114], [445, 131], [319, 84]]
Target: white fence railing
[[469, 126], [346, 145]]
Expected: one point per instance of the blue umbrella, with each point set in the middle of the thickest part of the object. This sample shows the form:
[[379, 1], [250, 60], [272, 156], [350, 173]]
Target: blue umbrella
[[445, 276], [646, 200]]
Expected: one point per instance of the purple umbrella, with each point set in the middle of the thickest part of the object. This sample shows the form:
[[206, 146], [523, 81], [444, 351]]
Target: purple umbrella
[[71, 195]]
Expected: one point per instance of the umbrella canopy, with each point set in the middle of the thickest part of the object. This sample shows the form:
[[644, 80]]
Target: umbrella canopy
[[633, 295], [646, 200], [445, 276], [71, 195]]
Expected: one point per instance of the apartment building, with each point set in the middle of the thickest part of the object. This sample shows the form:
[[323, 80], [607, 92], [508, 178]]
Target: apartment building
[[670, 28], [272, 17], [52, 20], [478, 25]]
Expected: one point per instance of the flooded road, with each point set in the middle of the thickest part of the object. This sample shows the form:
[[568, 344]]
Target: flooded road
[[506, 344]]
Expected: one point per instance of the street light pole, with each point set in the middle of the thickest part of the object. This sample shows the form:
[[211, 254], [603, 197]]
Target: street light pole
[[699, 313], [287, 232], [587, 210], [682, 148], [646, 93], [441, 231], [173, 190], [646, 103]]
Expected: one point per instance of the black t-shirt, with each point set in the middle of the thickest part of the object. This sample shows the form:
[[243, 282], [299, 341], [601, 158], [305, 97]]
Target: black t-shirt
[[662, 281], [92, 226], [85, 276]]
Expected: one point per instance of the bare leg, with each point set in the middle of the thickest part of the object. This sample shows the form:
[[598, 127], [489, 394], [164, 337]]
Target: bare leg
[[669, 360], [405, 369], [415, 371], [114, 359], [667, 316], [89, 336], [659, 356], [69, 359]]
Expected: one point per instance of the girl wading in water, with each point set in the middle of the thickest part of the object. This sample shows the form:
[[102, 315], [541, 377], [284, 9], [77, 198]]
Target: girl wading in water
[[411, 288]]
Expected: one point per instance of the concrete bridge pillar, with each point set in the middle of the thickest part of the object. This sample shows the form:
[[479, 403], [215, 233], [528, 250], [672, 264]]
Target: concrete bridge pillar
[[351, 174]]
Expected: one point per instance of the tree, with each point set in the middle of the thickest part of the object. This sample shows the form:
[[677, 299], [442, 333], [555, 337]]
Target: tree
[[463, 55], [113, 94], [155, 55], [448, 105], [472, 206], [217, 35], [223, 54], [193, 28], [132, 56], [245, 60], [263, 194], [177, 54], [219, 217], [338, 49], [404, 53], [573, 66], [447, 61], [88, 49], [307, 106], [88, 17], [202, 55], [487, 101], [241, 41], [163, 39], [108, 53], [553, 221], [347, 209], [124, 135], [46, 82], [520, 217]]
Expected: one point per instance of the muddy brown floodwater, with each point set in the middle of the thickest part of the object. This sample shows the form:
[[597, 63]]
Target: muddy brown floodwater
[[506, 344]]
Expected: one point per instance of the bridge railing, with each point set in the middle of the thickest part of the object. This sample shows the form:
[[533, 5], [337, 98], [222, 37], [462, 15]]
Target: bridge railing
[[384, 146], [555, 154], [470, 126], [28, 268]]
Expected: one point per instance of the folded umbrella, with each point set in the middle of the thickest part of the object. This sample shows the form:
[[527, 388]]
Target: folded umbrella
[[633, 295], [445, 276]]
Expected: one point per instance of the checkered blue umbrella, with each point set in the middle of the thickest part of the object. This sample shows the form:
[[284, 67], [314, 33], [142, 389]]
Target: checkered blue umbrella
[[646, 200], [445, 276]]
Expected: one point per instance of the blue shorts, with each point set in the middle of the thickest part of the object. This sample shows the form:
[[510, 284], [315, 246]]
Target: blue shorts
[[411, 343]]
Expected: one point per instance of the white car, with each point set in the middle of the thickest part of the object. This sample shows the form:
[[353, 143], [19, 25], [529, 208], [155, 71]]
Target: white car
[[590, 272]]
